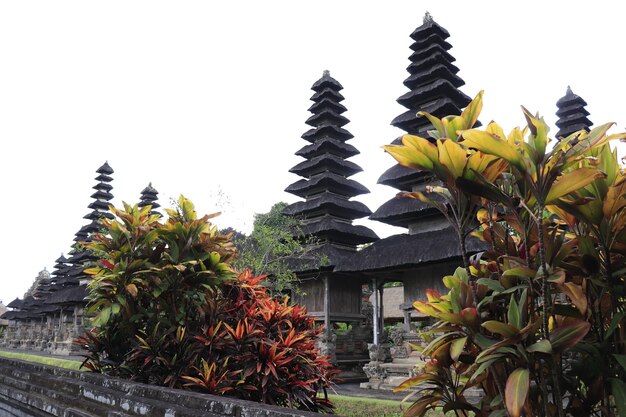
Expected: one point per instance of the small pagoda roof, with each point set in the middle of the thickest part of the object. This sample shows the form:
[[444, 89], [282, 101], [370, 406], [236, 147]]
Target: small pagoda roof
[[328, 203], [103, 186], [403, 178], [99, 205], [433, 38], [14, 315], [105, 169], [326, 162], [328, 145], [338, 231], [327, 104], [103, 178], [326, 182], [428, 50], [326, 82], [332, 131], [402, 211], [428, 28], [328, 93], [61, 259], [17, 303], [102, 195], [149, 190], [425, 94], [410, 122], [438, 71], [327, 117], [437, 58], [70, 295], [405, 251]]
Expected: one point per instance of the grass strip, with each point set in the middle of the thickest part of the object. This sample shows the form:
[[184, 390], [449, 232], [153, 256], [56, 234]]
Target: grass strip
[[46, 360]]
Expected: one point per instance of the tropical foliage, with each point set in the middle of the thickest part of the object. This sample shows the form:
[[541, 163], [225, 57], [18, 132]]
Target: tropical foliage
[[525, 319], [276, 242], [169, 309]]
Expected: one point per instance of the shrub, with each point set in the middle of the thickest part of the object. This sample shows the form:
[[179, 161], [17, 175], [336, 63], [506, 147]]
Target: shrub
[[168, 309], [525, 319]]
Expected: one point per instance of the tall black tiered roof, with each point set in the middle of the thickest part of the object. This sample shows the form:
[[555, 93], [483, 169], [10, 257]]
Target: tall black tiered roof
[[327, 211], [149, 197], [433, 88], [572, 115]]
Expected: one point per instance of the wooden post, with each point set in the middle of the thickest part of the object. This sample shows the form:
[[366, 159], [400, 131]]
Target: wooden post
[[326, 304], [407, 321], [375, 321]]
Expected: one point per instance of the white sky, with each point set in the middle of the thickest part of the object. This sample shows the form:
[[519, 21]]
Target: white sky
[[209, 99]]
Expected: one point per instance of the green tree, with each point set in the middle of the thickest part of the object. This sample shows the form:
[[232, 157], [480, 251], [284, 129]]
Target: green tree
[[274, 247]]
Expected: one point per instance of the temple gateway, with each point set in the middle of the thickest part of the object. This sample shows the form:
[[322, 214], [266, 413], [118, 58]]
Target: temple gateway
[[358, 266]]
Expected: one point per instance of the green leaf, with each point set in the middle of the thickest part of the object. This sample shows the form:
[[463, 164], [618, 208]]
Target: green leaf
[[542, 346], [492, 284], [617, 318], [513, 314], [500, 328], [516, 391], [621, 359]]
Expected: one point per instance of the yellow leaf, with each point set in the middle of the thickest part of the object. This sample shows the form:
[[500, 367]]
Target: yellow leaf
[[472, 111], [132, 290], [572, 181], [452, 156], [516, 391], [423, 145], [492, 145], [409, 157]]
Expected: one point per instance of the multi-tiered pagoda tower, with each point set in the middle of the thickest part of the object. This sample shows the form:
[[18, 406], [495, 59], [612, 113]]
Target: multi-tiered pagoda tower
[[327, 211], [572, 115], [149, 197], [430, 249]]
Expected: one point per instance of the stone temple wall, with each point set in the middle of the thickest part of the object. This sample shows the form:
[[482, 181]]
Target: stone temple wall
[[33, 390]]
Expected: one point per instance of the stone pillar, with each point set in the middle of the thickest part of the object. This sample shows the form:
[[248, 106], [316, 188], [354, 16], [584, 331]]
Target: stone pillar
[[375, 321], [382, 309], [407, 321]]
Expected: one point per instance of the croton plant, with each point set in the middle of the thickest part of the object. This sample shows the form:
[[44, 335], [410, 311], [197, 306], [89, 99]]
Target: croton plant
[[537, 320]]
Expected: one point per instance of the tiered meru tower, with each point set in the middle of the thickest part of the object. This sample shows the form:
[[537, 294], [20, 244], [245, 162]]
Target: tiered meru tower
[[572, 115], [149, 197], [430, 249], [328, 211]]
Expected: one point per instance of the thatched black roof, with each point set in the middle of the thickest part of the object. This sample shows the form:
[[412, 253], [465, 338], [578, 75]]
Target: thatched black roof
[[434, 72], [102, 186], [326, 162], [327, 117], [419, 96], [403, 178], [328, 203], [572, 115], [149, 197], [15, 315], [326, 82], [328, 145], [326, 182], [70, 295], [325, 130], [102, 195], [105, 169], [330, 228], [327, 93], [323, 256], [327, 104], [428, 28], [402, 211], [17, 303], [405, 251], [104, 178], [61, 259]]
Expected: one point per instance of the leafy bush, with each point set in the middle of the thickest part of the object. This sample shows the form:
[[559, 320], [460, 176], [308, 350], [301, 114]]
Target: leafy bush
[[168, 309], [525, 319]]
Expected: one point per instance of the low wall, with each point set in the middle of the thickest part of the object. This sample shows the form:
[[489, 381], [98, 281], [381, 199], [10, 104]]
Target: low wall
[[33, 390]]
